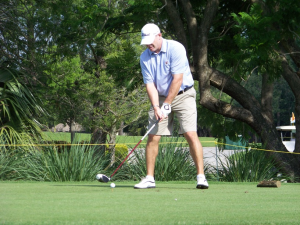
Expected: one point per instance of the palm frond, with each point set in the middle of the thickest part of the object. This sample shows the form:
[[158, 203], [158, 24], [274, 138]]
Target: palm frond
[[18, 107]]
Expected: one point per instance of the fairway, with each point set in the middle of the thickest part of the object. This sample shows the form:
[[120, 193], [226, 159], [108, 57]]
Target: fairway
[[168, 203], [131, 141]]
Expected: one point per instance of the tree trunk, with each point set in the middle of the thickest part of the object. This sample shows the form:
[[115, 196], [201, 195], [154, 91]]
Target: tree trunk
[[293, 80], [252, 112], [71, 125], [72, 131], [98, 137], [267, 97], [98, 134], [278, 118], [178, 26], [112, 143], [257, 115], [121, 132]]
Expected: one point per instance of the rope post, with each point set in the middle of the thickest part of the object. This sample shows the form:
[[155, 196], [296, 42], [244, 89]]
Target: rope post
[[217, 161]]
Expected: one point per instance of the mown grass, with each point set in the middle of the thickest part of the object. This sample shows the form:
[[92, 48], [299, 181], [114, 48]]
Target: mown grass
[[65, 136], [129, 140], [168, 203]]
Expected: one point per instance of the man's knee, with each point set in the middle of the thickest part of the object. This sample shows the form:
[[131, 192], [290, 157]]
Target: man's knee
[[153, 139], [191, 135]]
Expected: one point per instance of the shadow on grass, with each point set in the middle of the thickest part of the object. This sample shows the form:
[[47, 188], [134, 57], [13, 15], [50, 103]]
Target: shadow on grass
[[123, 186], [89, 185]]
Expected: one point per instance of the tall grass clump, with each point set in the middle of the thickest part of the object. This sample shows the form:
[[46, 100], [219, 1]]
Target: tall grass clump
[[8, 163], [247, 166], [76, 163], [173, 162], [10, 155]]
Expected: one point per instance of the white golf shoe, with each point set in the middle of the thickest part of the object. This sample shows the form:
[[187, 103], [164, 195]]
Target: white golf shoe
[[202, 183], [145, 183]]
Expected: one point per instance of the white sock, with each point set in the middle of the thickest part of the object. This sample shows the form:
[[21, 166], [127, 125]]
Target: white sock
[[201, 176], [150, 178]]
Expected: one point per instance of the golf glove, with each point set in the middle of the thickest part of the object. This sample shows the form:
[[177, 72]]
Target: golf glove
[[166, 109]]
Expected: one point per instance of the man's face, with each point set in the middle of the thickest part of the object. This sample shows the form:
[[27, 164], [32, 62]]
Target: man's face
[[156, 45]]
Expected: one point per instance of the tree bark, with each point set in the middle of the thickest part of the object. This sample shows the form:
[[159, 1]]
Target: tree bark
[[267, 97], [252, 113], [72, 130], [256, 114], [178, 26], [112, 143], [121, 130], [98, 137], [293, 80]]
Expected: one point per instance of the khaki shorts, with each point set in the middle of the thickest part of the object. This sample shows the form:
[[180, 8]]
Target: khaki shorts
[[185, 109]]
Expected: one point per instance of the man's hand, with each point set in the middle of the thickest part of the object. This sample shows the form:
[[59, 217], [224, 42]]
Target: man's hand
[[165, 109]]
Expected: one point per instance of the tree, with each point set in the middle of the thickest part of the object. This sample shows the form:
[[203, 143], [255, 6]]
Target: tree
[[101, 48], [108, 109], [226, 42], [254, 49], [47, 35], [25, 35], [65, 91], [19, 109]]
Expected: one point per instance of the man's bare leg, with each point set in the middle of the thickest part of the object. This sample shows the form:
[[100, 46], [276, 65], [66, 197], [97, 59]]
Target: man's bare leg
[[196, 150], [151, 153]]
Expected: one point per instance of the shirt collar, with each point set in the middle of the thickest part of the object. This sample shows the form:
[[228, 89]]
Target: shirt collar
[[163, 48]]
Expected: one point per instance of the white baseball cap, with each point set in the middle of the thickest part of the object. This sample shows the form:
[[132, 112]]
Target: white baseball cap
[[148, 33]]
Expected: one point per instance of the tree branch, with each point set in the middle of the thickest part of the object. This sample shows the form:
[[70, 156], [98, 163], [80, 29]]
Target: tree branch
[[176, 21]]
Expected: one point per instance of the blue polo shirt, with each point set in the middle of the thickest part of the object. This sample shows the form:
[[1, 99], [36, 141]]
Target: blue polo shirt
[[158, 68]]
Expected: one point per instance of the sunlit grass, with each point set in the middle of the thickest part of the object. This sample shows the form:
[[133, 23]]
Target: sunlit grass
[[168, 203], [129, 140]]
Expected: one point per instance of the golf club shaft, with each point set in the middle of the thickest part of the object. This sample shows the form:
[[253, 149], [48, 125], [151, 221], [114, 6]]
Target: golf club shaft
[[135, 147]]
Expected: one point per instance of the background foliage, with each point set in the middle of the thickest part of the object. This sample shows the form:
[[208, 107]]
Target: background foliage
[[80, 61]]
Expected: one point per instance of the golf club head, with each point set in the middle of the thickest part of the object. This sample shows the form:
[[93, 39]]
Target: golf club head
[[102, 178]]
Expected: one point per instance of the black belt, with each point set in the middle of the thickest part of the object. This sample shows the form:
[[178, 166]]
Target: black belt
[[187, 88]]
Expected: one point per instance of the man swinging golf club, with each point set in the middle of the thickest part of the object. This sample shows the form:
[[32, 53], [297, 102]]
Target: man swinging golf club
[[169, 85]]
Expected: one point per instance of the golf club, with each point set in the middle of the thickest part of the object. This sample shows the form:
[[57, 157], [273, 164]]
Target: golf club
[[104, 178]]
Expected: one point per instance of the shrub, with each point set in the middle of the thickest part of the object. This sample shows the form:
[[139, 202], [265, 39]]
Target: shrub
[[172, 163], [247, 166], [8, 162], [121, 151], [255, 145], [75, 163]]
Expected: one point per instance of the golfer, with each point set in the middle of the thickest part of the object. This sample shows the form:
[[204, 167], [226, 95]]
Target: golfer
[[169, 85]]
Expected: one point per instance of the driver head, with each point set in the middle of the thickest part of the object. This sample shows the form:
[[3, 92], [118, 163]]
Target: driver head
[[102, 178]]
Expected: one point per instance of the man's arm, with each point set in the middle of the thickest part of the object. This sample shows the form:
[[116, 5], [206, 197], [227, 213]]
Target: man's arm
[[154, 98], [152, 93], [174, 88], [173, 92]]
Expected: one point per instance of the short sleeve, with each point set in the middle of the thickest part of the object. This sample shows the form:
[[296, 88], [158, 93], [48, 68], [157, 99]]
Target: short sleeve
[[147, 77], [178, 58]]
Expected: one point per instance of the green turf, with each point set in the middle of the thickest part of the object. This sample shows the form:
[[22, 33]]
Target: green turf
[[65, 136], [129, 140], [168, 203]]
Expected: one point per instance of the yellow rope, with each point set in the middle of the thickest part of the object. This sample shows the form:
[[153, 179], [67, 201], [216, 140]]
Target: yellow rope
[[259, 149], [22, 145], [216, 143]]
